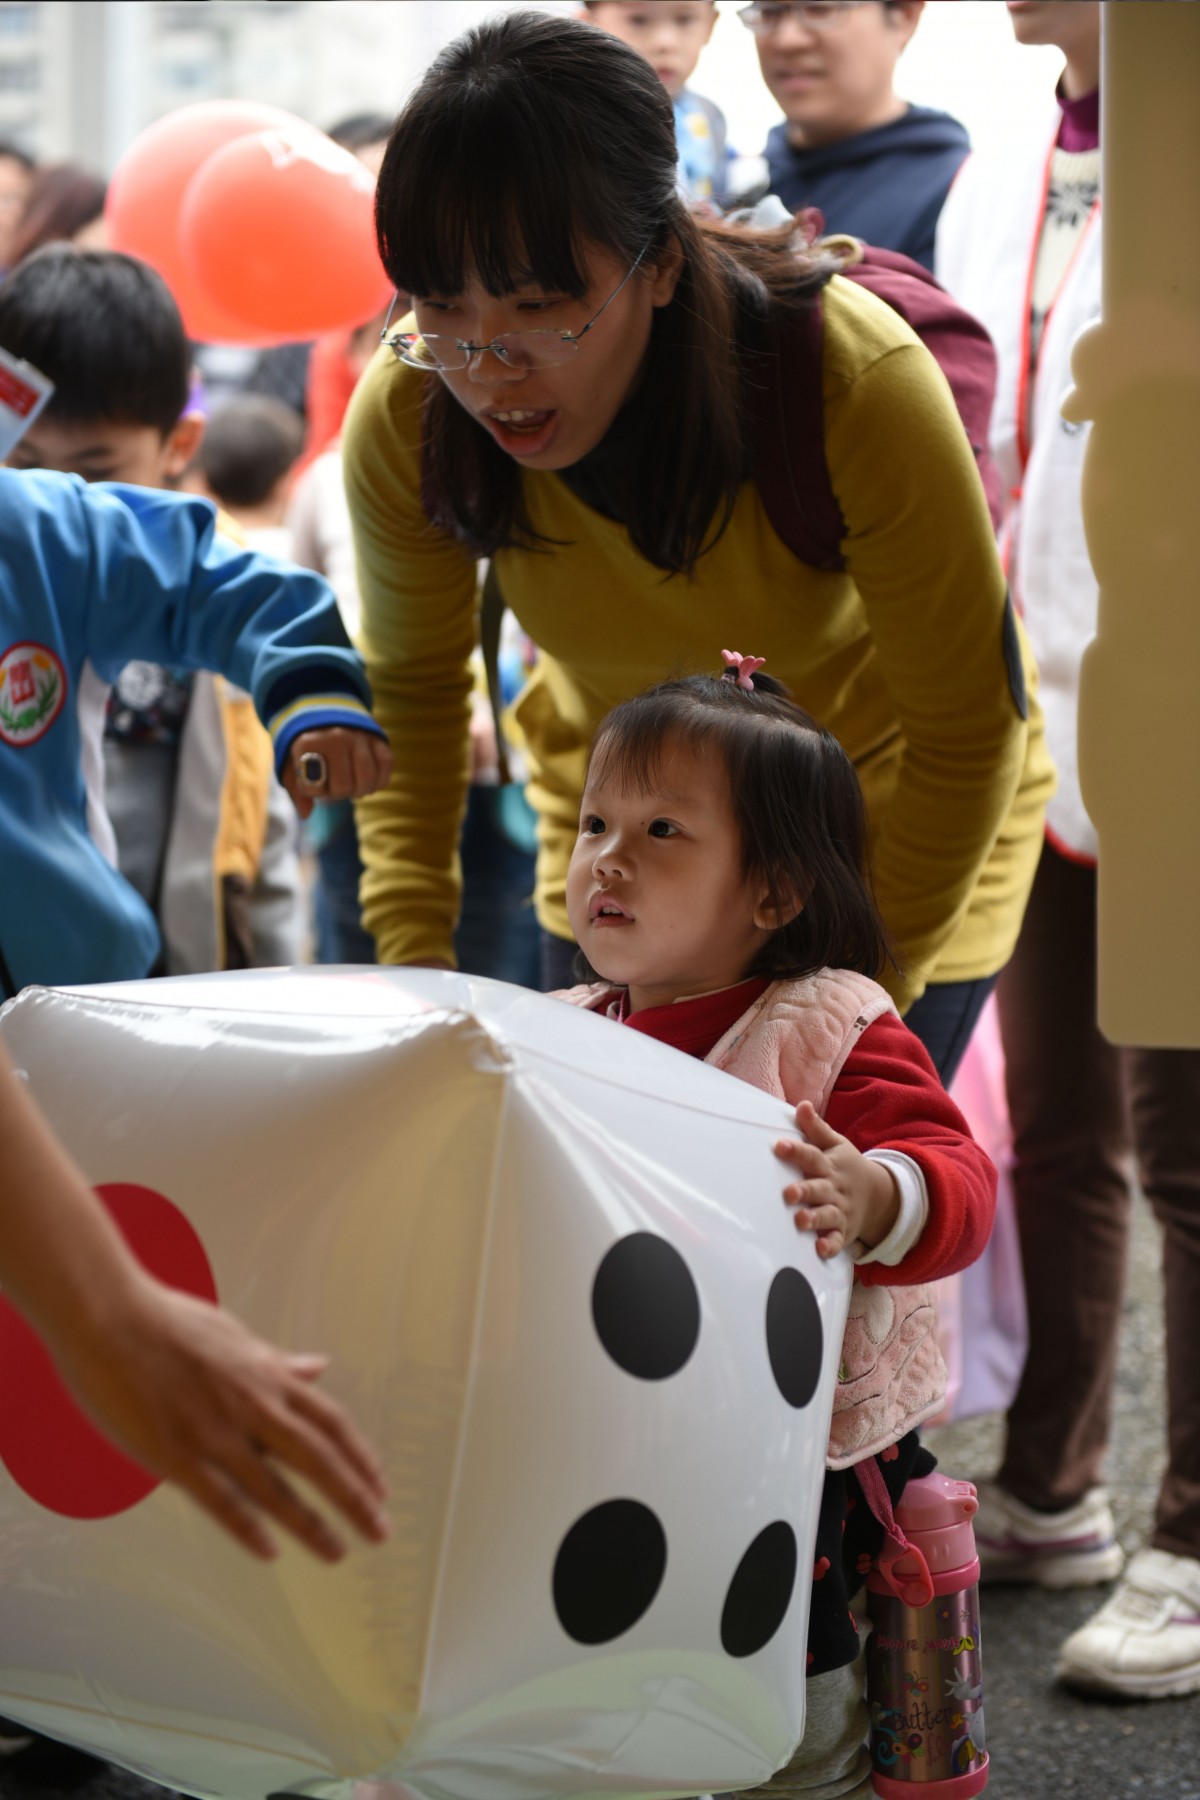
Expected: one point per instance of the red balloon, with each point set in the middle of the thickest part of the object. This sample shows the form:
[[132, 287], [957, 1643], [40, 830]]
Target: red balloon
[[146, 193], [281, 225]]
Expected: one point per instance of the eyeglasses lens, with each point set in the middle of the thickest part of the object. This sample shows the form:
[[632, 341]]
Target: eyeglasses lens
[[817, 15], [516, 349]]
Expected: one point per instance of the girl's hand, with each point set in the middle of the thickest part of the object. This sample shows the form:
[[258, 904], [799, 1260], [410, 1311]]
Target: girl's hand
[[198, 1399], [351, 763], [842, 1196]]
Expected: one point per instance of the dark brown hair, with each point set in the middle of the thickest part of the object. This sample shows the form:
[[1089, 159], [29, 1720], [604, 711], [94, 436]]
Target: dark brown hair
[[62, 199], [797, 803], [104, 329], [529, 139], [249, 444]]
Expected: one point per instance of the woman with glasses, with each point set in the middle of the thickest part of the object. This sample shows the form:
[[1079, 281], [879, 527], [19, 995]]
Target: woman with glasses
[[570, 397]]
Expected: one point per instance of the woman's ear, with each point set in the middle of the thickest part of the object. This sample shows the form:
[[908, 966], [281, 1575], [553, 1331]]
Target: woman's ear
[[663, 275]]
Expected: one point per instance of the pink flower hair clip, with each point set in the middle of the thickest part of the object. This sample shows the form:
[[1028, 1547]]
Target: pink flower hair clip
[[745, 667]]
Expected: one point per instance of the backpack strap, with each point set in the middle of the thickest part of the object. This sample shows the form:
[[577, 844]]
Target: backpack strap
[[786, 399], [8, 986], [491, 618], [787, 437], [956, 339]]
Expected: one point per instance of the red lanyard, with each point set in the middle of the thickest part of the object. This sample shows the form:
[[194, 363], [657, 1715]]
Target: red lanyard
[[1025, 371]]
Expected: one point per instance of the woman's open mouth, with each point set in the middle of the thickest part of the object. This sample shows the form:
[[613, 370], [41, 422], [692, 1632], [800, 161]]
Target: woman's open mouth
[[520, 430]]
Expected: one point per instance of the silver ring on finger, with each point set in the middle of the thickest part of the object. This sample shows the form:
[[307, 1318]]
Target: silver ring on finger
[[313, 769]]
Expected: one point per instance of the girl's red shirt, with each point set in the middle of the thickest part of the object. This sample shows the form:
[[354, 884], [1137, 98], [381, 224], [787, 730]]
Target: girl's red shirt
[[887, 1097]]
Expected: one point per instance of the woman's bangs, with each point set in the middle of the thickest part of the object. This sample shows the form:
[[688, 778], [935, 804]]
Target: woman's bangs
[[486, 201]]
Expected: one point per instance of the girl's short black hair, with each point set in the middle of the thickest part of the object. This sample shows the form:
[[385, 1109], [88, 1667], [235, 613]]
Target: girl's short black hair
[[530, 139], [105, 330], [797, 803]]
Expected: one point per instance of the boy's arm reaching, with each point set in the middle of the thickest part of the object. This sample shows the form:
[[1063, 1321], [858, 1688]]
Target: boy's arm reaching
[[165, 587]]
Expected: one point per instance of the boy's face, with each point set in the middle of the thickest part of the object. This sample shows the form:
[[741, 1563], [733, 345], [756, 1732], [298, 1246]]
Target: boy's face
[[833, 82], [670, 34], [110, 449]]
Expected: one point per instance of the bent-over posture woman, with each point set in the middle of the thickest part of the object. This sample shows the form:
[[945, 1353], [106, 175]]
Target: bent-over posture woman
[[573, 397]]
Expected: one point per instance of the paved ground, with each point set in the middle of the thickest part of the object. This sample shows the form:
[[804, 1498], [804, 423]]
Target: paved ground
[[1044, 1743]]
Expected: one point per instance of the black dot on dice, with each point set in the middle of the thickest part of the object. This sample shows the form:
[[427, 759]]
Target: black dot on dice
[[794, 1337], [760, 1592], [608, 1569], [645, 1306]]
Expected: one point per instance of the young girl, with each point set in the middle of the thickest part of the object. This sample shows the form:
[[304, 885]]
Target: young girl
[[716, 888]]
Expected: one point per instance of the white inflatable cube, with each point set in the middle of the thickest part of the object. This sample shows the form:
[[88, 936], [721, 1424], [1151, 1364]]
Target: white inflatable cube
[[563, 1297]]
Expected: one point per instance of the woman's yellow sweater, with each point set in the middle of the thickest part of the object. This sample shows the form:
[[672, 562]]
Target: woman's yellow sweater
[[901, 656]]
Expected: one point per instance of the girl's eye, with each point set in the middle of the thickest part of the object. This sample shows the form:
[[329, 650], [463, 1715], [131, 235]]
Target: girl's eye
[[662, 828], [593, 826]]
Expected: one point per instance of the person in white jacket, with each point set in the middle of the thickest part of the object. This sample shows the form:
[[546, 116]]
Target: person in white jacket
[[1019, 245]]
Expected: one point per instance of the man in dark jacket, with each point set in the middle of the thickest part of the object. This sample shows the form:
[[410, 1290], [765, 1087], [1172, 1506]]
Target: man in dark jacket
[[849, 145]]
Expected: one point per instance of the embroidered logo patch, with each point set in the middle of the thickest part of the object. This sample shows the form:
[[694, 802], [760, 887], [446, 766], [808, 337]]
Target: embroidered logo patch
[[33, 691]]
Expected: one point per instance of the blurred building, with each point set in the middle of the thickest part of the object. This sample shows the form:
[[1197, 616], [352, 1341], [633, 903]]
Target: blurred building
[[80, 78]]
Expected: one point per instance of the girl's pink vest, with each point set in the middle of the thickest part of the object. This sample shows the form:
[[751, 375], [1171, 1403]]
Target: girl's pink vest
[[793, 1041]]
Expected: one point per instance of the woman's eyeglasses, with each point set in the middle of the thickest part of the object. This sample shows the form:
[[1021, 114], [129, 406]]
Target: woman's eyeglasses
[[817, 15], [516, 349]]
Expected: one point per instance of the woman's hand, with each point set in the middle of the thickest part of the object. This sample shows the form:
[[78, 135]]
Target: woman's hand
[[349, 763], [198, 1399], [842, 1196]]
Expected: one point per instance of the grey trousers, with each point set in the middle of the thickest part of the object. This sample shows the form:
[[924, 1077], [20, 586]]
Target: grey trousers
[[832, 1762]]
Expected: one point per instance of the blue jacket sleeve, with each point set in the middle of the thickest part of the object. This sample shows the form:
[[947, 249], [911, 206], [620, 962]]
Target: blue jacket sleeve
[[162, 586]]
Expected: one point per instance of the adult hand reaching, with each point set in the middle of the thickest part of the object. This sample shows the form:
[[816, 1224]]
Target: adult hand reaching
[[182, 1386], [195, 1397]]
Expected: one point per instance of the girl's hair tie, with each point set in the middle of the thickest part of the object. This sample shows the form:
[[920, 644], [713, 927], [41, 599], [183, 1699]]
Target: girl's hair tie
[[740, 669]]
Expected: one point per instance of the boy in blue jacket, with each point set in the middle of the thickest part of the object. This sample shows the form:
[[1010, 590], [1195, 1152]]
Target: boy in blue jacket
[[116, 574]]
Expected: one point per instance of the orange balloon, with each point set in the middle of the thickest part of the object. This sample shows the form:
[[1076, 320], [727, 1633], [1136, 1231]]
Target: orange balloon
[[280, 225], [146, 193]]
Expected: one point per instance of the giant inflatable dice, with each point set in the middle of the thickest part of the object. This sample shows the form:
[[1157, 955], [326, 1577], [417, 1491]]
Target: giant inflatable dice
[[562, 1295]]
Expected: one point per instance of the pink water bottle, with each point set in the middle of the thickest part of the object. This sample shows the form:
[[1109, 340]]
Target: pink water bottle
[[924, 1669]]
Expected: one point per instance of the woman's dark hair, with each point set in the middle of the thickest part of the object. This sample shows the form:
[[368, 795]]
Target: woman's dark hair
[[796, 800], [529, 139], [62, 199], [105, 330]]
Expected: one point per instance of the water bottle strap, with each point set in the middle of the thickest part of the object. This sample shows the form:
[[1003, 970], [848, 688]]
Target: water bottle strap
[[901, 1565]]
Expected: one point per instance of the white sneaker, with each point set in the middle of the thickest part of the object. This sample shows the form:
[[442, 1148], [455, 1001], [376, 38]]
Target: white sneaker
[[1074, 1548], [1145, 1641]]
